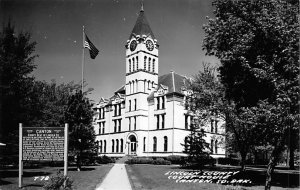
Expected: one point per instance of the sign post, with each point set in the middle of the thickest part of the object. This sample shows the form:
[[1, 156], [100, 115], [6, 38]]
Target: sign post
[[43, 144], [20, 156], [66, 152]]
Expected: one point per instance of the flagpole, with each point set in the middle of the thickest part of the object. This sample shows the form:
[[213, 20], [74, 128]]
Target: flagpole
[[82, 72]]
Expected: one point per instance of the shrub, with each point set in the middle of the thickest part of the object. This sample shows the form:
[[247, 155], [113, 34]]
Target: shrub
[[229, 161], [140, 160], [176, 159], [161, 161], [104, 160], [57, 182]]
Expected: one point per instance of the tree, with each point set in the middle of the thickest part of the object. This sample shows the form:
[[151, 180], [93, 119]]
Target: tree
[[16, 65], [257, 43], [204, 101], [79, 115], [52, 101], [196, 146]]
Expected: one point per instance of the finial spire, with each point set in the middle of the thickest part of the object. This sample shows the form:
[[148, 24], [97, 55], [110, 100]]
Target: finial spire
[[142, 5]]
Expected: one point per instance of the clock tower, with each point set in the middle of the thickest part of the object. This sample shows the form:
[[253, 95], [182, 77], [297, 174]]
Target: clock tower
[[141, 72]]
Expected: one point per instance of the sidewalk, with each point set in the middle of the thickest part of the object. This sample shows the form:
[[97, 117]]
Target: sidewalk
[[116, 179]]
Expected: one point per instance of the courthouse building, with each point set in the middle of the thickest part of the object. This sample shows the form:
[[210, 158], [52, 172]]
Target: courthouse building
[[147, 116]]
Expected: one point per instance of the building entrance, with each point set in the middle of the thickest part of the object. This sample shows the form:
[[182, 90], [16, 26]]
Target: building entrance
[[132, 145]]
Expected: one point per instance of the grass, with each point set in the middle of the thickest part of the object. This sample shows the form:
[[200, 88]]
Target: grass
[[87, 179], [153, 177]]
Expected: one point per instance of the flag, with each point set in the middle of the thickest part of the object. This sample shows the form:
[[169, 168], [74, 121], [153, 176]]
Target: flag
[[93, 50]]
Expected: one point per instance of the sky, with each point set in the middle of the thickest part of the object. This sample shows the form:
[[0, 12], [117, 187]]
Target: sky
[[56, 26]]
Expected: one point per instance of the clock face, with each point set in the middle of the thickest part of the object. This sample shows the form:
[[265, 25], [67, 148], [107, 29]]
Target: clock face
[[149, 45], [133, 45]]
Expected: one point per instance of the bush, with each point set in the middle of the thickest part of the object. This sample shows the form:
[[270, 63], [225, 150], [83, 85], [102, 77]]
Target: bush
[[57, 182], [161, 161], [104, 160], [176, 159], [140, 160], [229, 161]]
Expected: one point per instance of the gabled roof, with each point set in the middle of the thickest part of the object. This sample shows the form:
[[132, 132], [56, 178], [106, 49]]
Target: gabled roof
[[141, 26], [173, 81], [121, 90]]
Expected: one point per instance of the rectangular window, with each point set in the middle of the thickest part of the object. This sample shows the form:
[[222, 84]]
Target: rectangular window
[[115, 110], [163, 102], [129, 127], [135, 104], [162, 121], [103, 126], [119, 125], [129, 105], [134, 122], [157, 106], [115, 125], [120, 105], [211, 126], [101, 113], [153, 66], [144, 145], [216, 126], [186, 123], [157, 121], [99, 128], [149, 65]]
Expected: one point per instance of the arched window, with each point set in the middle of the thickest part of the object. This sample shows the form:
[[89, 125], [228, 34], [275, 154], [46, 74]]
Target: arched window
[[216, 147], [145, 85], [133, 64], [117, 145], [129, 87], [165, 143], [129, 105], [112, 145], [136, 85], [212, 146], [100, 147], [153, 65], [154, 144], [137, 62], [121, 146], [149, 64], [144, 144], [145, 62], [133, 87], [104, 146], [129, 65]]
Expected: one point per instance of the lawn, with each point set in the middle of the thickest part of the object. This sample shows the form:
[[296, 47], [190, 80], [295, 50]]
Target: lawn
[[87, 179], [160, 177]]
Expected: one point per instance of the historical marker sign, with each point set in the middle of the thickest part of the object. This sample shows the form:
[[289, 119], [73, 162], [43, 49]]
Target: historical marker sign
[[43, 144]]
